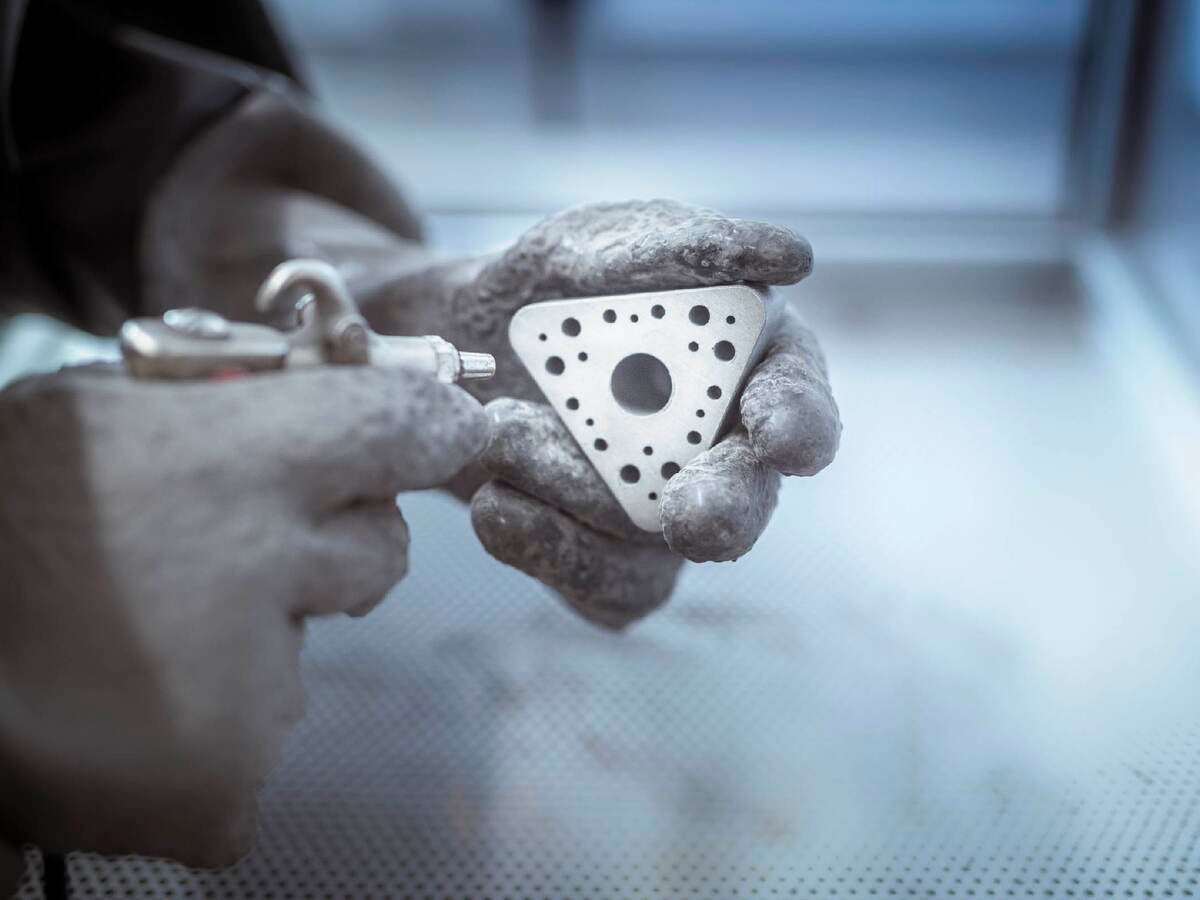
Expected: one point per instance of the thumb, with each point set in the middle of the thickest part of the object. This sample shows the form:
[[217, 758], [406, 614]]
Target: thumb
[[346, 433]]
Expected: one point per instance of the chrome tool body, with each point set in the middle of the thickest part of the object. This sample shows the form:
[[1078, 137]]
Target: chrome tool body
[[198, 343]]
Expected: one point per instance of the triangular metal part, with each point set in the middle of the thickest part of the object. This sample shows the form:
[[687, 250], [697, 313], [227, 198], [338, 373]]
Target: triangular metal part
[[645, 382]]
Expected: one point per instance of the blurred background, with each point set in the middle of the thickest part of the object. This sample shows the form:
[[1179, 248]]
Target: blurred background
[[962, 661]]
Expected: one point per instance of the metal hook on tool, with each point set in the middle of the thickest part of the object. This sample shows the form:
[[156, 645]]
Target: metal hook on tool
[[330, 325]]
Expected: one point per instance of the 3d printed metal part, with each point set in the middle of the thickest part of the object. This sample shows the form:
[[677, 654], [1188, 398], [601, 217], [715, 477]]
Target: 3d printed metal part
[[645, 382]]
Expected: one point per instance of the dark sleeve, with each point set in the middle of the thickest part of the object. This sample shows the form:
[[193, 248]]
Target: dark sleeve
[[99, 97]]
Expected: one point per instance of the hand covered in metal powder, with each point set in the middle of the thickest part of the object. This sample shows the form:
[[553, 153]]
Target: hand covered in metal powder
[[545, 509], [163, 543]]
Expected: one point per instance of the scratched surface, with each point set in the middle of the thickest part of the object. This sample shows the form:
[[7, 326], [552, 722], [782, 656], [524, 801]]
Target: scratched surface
[[961, 662]]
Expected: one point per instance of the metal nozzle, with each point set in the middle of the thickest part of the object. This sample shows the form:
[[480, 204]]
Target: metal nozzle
[[476, 365]]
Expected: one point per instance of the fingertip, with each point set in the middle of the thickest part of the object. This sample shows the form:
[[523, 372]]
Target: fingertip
[[718, 506], [508, 418], [485, 512], [797, 434], [608, 582], [502, 408], [704, 522], [530, 448], [374, 431], [782, 256], [615, 621], [455, 424], [508, 434], [516, 530]]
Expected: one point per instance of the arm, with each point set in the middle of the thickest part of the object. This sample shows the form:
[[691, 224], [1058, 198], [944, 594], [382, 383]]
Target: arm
[[104, 172], [271, 181]]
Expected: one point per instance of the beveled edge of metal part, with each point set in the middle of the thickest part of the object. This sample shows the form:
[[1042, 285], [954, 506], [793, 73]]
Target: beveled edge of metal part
[[571, 349]]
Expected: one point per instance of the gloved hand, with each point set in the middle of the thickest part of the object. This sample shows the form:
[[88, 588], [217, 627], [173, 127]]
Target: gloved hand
[[272, 181], [546, 511], [163, 543]]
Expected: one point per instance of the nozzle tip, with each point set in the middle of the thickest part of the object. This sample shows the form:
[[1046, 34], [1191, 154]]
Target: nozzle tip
[[476, 365]]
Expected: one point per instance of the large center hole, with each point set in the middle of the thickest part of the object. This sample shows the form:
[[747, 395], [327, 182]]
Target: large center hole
[[641, 384]]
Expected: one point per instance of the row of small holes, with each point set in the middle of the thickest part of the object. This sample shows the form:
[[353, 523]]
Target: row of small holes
[[697, 315]]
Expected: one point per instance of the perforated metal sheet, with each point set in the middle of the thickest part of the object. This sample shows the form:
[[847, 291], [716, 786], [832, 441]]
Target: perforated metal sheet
[[960, 663]]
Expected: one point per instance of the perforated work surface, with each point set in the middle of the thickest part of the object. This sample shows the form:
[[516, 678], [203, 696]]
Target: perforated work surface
[[961, 663]]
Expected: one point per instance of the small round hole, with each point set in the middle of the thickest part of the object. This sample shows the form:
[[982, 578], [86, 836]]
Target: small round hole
[[699, 414], [730, 320], [555, 365], [657, 311], [714, 392], [652, 495], [583, 357], [600, 444], [693, 437], [572, 403], [610, 316], [541, 337], [693, 346], [723, 350], [633, 318], [571, 327], [630, 474], [698, 315], [589, 421], [648, 450], [669, 470]]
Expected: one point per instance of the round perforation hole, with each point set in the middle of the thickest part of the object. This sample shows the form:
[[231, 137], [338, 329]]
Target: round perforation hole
[[698, 315], [572, 403], [600, 444], [693, 437], [723, 350], [714, 392], [631, 474], [669, 470], [571, 327], [641, 384], [693, 346], [555, 365], [610, 316], [657, 311], [648, 450]]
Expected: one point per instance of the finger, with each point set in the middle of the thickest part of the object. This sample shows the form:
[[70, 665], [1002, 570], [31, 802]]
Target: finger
[[716, 507], [338, 434], [608, 581], [351, 560], [529, 448], [637, 246], [787, 405]]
